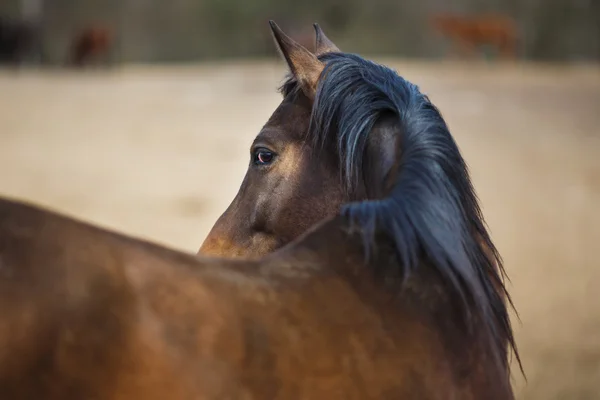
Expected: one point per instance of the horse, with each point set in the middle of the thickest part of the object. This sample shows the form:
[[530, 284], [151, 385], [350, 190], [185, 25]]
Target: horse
[[469, 33], [18, 39], [395, 292], [353, 138], [90, 44]]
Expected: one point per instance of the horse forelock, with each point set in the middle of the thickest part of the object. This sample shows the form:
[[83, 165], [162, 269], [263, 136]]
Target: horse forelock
[[432, 211]]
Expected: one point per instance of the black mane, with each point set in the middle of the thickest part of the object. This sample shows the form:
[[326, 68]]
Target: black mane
[[432, 211]]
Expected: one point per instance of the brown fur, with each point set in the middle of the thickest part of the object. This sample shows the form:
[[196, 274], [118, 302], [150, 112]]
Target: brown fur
[[87, 313]]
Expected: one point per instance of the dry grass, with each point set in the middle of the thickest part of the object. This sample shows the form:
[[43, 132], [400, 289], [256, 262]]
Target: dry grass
[[159, 153]]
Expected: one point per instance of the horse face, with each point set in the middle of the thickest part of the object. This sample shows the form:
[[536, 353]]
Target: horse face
[[288, 187]]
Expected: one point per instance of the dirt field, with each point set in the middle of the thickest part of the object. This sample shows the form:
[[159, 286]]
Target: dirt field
[[160, 152]]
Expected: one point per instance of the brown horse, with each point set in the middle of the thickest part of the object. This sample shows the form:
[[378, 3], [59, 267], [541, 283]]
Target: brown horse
[[398, 296], [90, 44], [470, 33]]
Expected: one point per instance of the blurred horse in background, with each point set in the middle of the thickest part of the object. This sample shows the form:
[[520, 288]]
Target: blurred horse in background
[[19, 40], [469, 33], [89, 45], [364, 268]]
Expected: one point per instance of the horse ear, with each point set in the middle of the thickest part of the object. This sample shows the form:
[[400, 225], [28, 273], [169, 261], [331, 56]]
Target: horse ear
[[305, 66], [323, 44]]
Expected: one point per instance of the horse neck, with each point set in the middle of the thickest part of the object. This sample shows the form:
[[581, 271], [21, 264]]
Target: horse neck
[[421, 297], [337, 247]]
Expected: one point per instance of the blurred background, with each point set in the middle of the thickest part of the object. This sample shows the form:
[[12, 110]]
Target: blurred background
[[137, 115], [192, 30]]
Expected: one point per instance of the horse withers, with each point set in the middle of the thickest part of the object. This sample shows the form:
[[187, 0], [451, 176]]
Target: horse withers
[[396, 292]]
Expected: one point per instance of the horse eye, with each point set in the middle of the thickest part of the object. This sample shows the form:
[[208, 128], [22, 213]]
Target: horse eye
[[263, 156]]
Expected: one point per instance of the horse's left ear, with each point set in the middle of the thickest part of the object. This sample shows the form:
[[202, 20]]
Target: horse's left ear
[[323, 44], [305, 66]]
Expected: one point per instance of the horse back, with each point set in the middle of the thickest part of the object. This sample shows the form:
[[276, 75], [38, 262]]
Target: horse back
[[89, 314]]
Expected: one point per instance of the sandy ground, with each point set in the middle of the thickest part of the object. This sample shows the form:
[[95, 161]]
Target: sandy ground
[[160, 152]]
